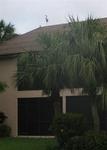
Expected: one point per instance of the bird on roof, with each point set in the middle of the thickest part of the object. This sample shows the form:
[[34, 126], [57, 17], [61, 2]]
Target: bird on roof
[[46, 18]]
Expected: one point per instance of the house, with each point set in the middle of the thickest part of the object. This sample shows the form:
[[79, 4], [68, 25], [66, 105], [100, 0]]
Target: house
[[30, 112]]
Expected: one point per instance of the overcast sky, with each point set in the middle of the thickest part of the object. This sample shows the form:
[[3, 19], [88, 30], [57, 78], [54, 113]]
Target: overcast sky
[[30, 14]]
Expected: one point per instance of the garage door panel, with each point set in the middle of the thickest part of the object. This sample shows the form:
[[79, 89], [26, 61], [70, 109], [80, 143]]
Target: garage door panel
[[44, 128], [34, 116], [80, 104]]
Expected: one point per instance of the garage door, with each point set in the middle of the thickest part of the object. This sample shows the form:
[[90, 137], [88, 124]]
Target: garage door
[[35, 116], [80, 104]]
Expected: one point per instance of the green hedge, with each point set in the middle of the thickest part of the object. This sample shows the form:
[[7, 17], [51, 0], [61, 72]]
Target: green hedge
[[87, 142], [68, 125], [2, 117], [4, 130]]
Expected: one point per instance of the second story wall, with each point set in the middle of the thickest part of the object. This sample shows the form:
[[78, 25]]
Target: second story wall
[[8, 105]]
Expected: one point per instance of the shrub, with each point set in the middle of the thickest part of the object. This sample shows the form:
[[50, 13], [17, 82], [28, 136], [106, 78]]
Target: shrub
[[87, 142], [68, 125], [2, 117], [92, 133], [4, 130]]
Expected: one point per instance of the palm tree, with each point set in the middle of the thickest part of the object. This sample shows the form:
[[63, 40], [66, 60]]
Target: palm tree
[[7, 31], [104, 106], [72, 59], [47, 67], [87, 60]]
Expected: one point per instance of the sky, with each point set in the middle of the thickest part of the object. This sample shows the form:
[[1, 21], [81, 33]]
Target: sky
[[27, 15]]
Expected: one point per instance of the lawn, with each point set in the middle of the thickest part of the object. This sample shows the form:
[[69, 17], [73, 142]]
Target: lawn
[[25, 144]]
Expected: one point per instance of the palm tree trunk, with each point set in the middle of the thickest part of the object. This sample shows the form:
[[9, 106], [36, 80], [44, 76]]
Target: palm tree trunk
[[95, 115], [105, 108], [55, 96], [105, 99]]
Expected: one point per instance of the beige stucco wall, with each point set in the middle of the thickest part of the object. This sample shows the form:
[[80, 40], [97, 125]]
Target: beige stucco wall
[[8, 99]]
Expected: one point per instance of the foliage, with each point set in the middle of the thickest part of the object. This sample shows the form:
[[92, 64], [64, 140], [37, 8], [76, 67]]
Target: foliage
[[7, 31], [47, 66], [87, 60], [87, 56], [89, 142], [2, 86], [71, 59], [4, 130], [2, 117], [45, 69], [68, 125]]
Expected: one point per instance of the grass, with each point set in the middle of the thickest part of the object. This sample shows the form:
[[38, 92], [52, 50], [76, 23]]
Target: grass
[[25, 144]]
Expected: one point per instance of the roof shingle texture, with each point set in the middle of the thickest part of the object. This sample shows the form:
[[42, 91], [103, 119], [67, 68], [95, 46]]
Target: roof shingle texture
[[29, 41]]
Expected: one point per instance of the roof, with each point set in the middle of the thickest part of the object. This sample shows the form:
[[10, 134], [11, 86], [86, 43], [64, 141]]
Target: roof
[[29, 41]]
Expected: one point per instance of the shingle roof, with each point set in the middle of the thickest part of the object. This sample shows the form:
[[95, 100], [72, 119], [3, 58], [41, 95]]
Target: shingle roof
[[29, 40]]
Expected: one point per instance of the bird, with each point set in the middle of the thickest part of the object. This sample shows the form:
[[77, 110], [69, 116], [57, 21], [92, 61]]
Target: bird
[[46, 18]]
